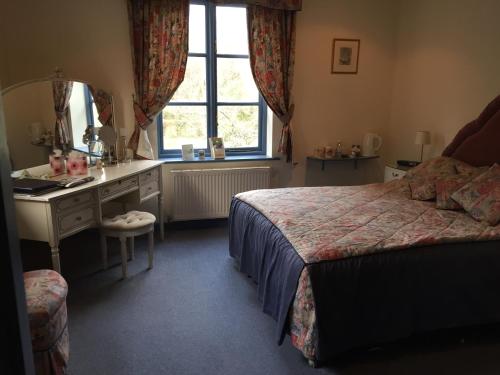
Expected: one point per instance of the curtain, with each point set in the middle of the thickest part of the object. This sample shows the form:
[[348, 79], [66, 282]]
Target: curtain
[[159, 36], [104, 104], [271, 39], [61, 91], [273, 4]]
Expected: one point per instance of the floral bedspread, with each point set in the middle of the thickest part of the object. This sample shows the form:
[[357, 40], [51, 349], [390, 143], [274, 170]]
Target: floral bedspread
[[329, 223]]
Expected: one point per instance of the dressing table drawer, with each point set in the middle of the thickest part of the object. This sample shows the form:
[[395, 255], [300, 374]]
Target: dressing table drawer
[[151, 175], [74, 200], [118, 187], [75, 221], [149, 188]]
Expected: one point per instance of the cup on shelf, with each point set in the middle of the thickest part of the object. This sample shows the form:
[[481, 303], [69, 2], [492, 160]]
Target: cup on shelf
[[328, 152], [319, 152]]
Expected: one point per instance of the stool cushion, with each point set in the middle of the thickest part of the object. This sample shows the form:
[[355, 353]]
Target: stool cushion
[[46, 293], [129, 221]]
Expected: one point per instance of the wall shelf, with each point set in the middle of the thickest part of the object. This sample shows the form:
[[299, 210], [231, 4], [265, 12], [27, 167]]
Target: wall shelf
[[344, 158]]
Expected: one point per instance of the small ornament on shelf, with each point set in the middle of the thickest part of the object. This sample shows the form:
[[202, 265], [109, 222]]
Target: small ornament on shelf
[[338, 150], [355, 151]]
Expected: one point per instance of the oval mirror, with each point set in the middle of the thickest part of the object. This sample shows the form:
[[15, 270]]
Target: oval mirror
[[33, 121]]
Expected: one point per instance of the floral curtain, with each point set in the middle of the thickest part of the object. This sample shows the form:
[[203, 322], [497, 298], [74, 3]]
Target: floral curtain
[[273, 4], [159, 36], [271, 38], [61, 91], [104, 103]]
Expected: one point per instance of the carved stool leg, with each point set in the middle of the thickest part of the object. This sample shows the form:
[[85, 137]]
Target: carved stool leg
[[131, 248]]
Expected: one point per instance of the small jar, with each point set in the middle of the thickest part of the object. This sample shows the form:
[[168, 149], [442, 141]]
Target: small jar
[[57, 164], [201, 154]]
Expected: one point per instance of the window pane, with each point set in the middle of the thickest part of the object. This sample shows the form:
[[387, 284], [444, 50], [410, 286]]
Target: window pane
[[78, 113], [96, 115], [238, 125], [197, 28], [232, 30], [194, 86], [235, 81], [184, 125]]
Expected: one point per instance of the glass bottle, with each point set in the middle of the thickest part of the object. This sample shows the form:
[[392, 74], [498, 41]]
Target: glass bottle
[[338, 150]]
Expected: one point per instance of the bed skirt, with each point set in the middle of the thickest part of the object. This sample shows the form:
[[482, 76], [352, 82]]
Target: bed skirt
[[264, 254], [372, 299]]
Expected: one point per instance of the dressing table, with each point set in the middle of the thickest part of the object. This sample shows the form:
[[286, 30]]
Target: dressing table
[[58, 214], [82, 108]]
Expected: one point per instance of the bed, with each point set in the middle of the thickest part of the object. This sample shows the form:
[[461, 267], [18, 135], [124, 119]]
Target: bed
[[345, 267]]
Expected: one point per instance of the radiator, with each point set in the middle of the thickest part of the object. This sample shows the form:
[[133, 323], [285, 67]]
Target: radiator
[[207, 193]]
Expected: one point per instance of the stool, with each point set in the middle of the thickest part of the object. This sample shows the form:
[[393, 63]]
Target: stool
[[46, 292], [129, 225]]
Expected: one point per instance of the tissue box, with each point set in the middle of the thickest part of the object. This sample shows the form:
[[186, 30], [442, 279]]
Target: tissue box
[[76, 165], [56, 164]]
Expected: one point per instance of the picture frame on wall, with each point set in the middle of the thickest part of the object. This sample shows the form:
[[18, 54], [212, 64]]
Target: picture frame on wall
[[345, 56]]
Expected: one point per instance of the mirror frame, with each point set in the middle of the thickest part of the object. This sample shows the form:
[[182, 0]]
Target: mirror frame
[[59, 76]]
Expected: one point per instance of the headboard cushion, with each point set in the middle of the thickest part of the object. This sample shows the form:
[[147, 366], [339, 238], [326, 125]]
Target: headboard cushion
[[474, 143], [473, 127], [483, 147]]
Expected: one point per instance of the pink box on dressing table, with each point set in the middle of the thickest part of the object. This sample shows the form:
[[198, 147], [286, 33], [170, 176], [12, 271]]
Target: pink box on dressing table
[[57, 163], [77, 164]]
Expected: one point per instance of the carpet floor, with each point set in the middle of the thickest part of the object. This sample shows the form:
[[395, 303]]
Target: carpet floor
[[194, 313]]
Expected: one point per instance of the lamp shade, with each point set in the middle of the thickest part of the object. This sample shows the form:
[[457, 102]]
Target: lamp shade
[[422, 138]]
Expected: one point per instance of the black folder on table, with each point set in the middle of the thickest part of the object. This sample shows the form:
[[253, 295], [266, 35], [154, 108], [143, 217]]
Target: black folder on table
[[33, 186]]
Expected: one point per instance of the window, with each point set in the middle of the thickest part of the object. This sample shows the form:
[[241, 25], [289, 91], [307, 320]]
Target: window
[[218, 96], [82, 113]]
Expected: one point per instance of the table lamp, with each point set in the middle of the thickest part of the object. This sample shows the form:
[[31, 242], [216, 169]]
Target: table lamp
[[422, 138]]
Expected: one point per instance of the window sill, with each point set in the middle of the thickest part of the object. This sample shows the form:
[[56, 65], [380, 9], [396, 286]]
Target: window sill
[[228, 159]]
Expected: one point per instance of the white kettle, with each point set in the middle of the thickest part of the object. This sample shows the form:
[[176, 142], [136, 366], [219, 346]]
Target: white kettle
[[371, 144]]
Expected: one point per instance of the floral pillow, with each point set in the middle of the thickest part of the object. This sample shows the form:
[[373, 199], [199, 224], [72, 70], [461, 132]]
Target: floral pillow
[[422, 178], [440, 166], [481, 197], [469, 170], [422, 188], [445, 187]]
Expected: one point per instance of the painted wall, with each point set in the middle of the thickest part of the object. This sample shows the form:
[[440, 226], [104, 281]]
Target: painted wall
[[447, 70], [423, 65], [23, 107], [88, 40], [341, 107]]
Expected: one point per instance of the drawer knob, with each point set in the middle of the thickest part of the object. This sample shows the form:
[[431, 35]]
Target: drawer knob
[[78, 218], [76, 200], [106, 191], [394, 174], [150, 188]]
